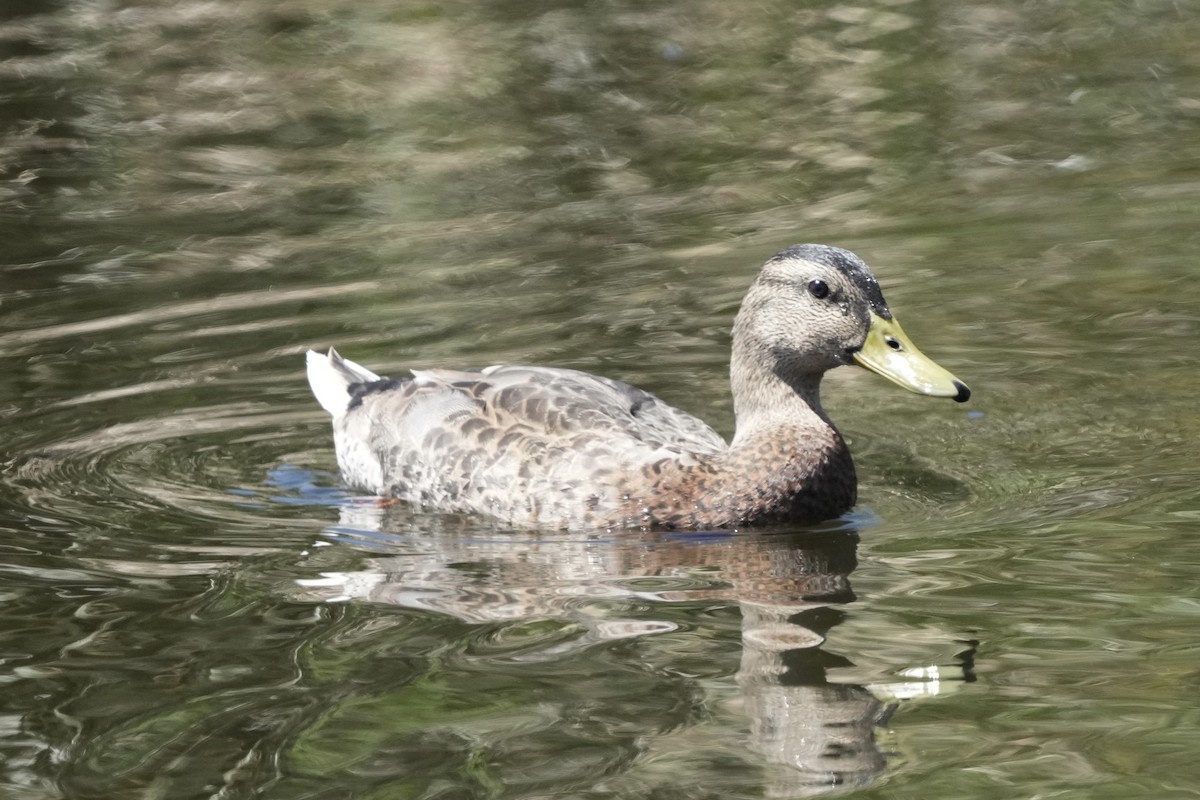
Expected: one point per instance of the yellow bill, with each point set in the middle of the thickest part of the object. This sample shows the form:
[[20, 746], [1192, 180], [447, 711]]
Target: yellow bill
[[892, 354]]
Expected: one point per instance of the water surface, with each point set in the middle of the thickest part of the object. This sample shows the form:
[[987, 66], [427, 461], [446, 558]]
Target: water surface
[[192, 194]]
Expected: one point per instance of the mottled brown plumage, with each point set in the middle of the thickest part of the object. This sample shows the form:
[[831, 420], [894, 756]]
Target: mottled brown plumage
[[545, 447]]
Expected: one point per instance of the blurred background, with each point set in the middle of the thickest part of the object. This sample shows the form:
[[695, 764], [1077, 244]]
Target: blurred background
[[194, 193]]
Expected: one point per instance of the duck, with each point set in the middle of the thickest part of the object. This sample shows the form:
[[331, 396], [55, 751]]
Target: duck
[[554, 448]]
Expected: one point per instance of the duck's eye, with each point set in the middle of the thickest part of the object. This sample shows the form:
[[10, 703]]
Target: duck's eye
[[818, 289]]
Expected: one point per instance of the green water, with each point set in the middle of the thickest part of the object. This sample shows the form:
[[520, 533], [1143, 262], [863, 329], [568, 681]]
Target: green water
[[193, 194]]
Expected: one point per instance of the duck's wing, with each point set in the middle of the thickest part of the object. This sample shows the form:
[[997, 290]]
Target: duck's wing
[[567, 400], [518, 422]]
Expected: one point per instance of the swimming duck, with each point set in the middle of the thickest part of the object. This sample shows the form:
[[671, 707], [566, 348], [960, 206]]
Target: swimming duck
[[557, 448]]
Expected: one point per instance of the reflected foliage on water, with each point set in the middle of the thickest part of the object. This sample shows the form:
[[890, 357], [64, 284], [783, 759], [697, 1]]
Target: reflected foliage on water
[[192, 194]]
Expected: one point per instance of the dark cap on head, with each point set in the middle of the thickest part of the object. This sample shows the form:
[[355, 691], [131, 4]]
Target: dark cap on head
[[844, 262]]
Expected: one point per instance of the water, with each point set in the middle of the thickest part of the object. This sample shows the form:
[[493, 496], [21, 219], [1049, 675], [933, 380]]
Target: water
[[193, 194]]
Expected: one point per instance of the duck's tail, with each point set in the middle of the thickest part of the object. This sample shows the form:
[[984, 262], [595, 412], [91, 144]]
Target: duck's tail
[[332, 376]]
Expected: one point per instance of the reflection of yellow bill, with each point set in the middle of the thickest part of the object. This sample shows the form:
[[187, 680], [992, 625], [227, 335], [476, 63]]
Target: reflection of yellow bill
[[892, 354]]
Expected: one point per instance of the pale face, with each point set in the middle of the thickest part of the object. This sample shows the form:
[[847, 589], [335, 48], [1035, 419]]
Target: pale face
[[813, 308]]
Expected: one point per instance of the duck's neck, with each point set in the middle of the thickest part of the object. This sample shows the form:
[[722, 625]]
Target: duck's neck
[[766, 401], [786, 460]]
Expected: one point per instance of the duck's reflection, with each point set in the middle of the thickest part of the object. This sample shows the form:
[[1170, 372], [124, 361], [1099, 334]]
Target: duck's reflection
[[790, 588]]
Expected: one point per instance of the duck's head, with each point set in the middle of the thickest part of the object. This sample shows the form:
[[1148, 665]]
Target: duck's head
[[815, 307]]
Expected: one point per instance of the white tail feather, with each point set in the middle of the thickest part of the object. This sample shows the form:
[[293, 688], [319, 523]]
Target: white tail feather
[[331, 378]]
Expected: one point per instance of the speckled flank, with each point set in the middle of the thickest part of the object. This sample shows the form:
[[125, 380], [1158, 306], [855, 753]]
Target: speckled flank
[[545, 454], [528, 445], [544, 447]]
